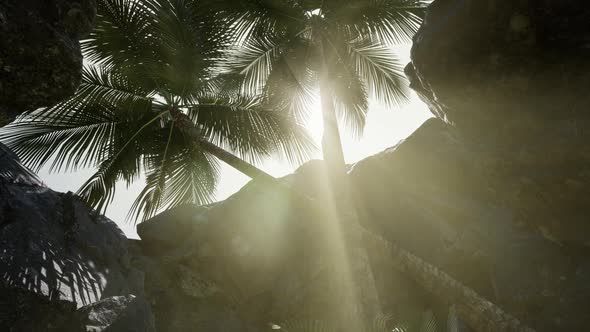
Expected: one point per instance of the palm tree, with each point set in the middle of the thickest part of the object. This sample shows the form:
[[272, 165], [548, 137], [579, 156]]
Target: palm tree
[[287, 49], [152, 102]]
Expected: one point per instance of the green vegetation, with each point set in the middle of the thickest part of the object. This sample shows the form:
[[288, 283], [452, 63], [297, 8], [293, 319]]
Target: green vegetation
[[150, 58], [287, 50]]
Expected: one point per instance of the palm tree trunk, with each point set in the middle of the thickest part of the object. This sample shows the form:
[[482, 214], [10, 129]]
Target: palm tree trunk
[[188, 129], [246, 168], [364, 301], [331, 143], [479, 313]]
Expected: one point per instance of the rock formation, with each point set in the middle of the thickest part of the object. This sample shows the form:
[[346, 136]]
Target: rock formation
[[494, 191], [58, 255], [511, 76], [40, 59]]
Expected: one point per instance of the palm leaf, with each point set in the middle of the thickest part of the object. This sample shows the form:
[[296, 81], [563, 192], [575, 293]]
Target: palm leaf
[[386, 21], [123, 154], [346, 86], [290, 86], [122, 34], [106, 85], [11, 169], [381, 70], [99, 190], [187, 176], [249, 19], [246, 126], [71, 138], [190, 39], [254, 60]]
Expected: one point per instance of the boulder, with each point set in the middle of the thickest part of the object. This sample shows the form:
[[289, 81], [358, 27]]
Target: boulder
[[40, 59], [511, 76], [117, 314], [261, 252], [183, 298], [57, 254]]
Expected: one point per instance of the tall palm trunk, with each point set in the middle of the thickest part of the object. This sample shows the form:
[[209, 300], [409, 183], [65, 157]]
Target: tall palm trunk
[[331, 142], [364, 295], [481, 314], [246, 168], [188, 129]]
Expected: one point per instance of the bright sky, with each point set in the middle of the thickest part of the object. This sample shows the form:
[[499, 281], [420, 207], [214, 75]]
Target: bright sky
[[385, 127]]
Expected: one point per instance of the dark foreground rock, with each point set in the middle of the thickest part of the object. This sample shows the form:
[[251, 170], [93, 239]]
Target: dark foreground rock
[[512, 78], [58, 255], [40, 59], [117, 314]]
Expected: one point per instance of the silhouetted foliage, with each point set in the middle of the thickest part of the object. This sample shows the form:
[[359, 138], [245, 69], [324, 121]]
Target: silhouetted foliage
[[147, 58]]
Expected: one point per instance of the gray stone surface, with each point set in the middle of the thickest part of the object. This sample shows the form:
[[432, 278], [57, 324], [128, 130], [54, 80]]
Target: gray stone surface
[[56, 254], [117, 314], [40, 59], [512, 78]]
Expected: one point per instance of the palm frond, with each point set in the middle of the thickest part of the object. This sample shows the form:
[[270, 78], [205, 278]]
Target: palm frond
[[103, 87], [386, 21], [187, 176], [99, 190], [381, 71], [70, 138], [11, 169], [249, 19], [290, 86], [121, 161], [254, 59], [107, 85], [190, 39], [122, 34], [346, 85], [245, 125], [73, 131], [350, 100], [225, 85]]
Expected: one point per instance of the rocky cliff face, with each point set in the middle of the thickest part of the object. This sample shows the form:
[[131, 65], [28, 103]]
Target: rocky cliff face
[[40, 59], [57, 256], [512, 78], [494, 192], [62, 267]]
